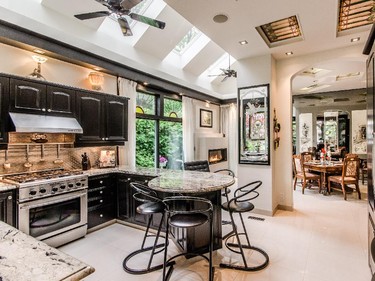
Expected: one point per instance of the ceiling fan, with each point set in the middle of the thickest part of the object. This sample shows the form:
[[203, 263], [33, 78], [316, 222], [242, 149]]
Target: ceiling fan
[[121, 8], [226, 73]]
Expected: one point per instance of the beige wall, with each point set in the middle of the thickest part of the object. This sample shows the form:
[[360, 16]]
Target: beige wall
[[19, 62]]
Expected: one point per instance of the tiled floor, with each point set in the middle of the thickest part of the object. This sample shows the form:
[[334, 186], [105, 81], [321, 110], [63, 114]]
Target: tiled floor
[[323, 239]]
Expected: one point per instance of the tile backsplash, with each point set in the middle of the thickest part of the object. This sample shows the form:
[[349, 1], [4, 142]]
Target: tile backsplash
[[70, 157]]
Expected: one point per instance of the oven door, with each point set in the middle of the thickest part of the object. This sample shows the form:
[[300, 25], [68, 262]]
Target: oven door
[[47, 217]]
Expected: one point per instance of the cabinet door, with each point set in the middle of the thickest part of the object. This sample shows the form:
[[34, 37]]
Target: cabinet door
[[90, 108], [124, 199], [60, 101], [4, 104], [27, 97], [7, 207], [116, 118]]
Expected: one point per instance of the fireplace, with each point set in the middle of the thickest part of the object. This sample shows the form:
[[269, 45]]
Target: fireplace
[[217, 155]]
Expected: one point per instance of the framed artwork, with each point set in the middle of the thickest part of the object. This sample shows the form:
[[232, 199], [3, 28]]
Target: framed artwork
[[107, 158], [205, 118], [254, 128]]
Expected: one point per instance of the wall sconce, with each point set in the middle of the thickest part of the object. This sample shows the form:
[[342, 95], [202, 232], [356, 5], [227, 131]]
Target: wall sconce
[[96, 80], [36, 74]]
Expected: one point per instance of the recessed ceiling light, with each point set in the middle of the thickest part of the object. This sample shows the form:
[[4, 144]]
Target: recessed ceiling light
[[38, 51], [243, 42], [289, 53], [97, 68], [356, 39], [220, 18], [145, 83]]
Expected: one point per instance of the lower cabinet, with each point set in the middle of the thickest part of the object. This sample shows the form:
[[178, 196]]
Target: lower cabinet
[[127, 205], [8, 207], [102, 199]]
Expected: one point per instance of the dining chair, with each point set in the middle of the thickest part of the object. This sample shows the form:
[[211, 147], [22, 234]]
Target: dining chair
[[350, 175], [303, 174]]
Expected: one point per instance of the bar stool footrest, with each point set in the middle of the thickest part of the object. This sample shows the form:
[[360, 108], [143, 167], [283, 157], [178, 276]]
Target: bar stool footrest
[[145, 270]]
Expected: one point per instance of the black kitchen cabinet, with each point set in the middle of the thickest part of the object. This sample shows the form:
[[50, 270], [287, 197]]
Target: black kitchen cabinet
[[8, 207], [103, 118], [102, 200], [40, 98], [4, 104], [127, 205]]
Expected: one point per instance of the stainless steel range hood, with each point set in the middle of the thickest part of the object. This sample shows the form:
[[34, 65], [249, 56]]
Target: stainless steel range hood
[[32, 123]]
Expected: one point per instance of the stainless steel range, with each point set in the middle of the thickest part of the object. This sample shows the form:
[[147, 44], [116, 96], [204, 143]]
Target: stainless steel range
[[52, 205]]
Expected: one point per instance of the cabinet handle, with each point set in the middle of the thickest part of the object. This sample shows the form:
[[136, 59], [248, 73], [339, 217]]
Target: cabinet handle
[[10, 197], [101, 215], [101, 192], [101, 201], [49, 110], [106, 138], [101, 182], [103, 138], [43, 109]]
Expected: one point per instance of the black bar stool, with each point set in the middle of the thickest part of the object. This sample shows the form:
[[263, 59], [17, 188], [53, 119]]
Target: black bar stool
[[151, 205], [240, 204], [187, 212]]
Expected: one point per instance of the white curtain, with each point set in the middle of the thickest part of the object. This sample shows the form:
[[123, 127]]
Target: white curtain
[[127, 88], [229, 127], [188, 122]]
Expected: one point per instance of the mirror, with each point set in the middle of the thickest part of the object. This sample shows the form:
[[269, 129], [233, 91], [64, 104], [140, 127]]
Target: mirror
[[253, 130]]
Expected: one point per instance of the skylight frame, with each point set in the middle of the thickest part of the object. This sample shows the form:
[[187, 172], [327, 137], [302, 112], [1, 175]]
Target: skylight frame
[[353, 14], [139, 9], [281, 32]]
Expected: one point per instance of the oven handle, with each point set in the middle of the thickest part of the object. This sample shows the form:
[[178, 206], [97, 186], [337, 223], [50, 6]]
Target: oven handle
[[68, 196]]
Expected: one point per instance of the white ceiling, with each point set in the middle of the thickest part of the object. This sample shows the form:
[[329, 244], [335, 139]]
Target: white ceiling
[[150, 49]]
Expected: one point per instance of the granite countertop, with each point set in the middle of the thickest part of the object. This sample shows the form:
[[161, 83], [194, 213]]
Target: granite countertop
[[7, 186], [174, 181], [22, 257]]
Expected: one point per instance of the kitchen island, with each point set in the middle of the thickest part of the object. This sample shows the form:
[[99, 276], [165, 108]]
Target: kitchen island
[[22, 257]]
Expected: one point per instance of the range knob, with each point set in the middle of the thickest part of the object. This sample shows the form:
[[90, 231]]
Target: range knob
[[32, 192], [54, 189], [42, 190], [62, 186], [70, 185]]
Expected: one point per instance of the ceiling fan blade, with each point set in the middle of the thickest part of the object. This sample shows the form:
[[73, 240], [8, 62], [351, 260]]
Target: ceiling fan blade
[[125, 28], [87, 16], [225, 78], [214, 75], [147, 20]]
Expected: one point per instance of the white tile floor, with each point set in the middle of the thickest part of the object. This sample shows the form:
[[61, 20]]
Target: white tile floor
[[323, 239]]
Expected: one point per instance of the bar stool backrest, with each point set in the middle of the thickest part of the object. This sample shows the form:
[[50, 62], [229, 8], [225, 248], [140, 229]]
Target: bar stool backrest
[[187, 205], [201, 165], [246, 193], [143, 193]]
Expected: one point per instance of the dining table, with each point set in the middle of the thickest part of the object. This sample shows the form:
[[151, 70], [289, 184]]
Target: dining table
[[324, 168]]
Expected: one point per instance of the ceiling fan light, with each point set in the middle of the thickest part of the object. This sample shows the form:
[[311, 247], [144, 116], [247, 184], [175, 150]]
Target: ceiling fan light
[[220, 18]]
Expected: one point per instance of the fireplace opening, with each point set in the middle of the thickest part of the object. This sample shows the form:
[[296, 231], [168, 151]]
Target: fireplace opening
[[217, 155]]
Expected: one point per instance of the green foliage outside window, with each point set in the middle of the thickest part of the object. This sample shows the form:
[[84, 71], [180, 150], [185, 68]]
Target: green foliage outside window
[[145, 143]]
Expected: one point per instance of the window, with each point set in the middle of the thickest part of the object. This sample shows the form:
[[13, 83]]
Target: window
[[159, 130]]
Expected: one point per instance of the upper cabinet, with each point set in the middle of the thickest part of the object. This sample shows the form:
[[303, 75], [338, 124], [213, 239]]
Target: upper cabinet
[[38, 98], [4, 103], [103, 119]]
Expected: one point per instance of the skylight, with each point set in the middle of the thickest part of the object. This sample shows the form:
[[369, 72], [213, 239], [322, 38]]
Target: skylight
[[355, 13], [280, 31], [187, 40]]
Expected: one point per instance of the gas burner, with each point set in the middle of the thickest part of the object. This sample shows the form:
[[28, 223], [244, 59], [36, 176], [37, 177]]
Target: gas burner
[[41, 175]]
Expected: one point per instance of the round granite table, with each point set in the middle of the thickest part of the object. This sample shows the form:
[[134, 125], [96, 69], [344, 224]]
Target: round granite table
[[200, 184]]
